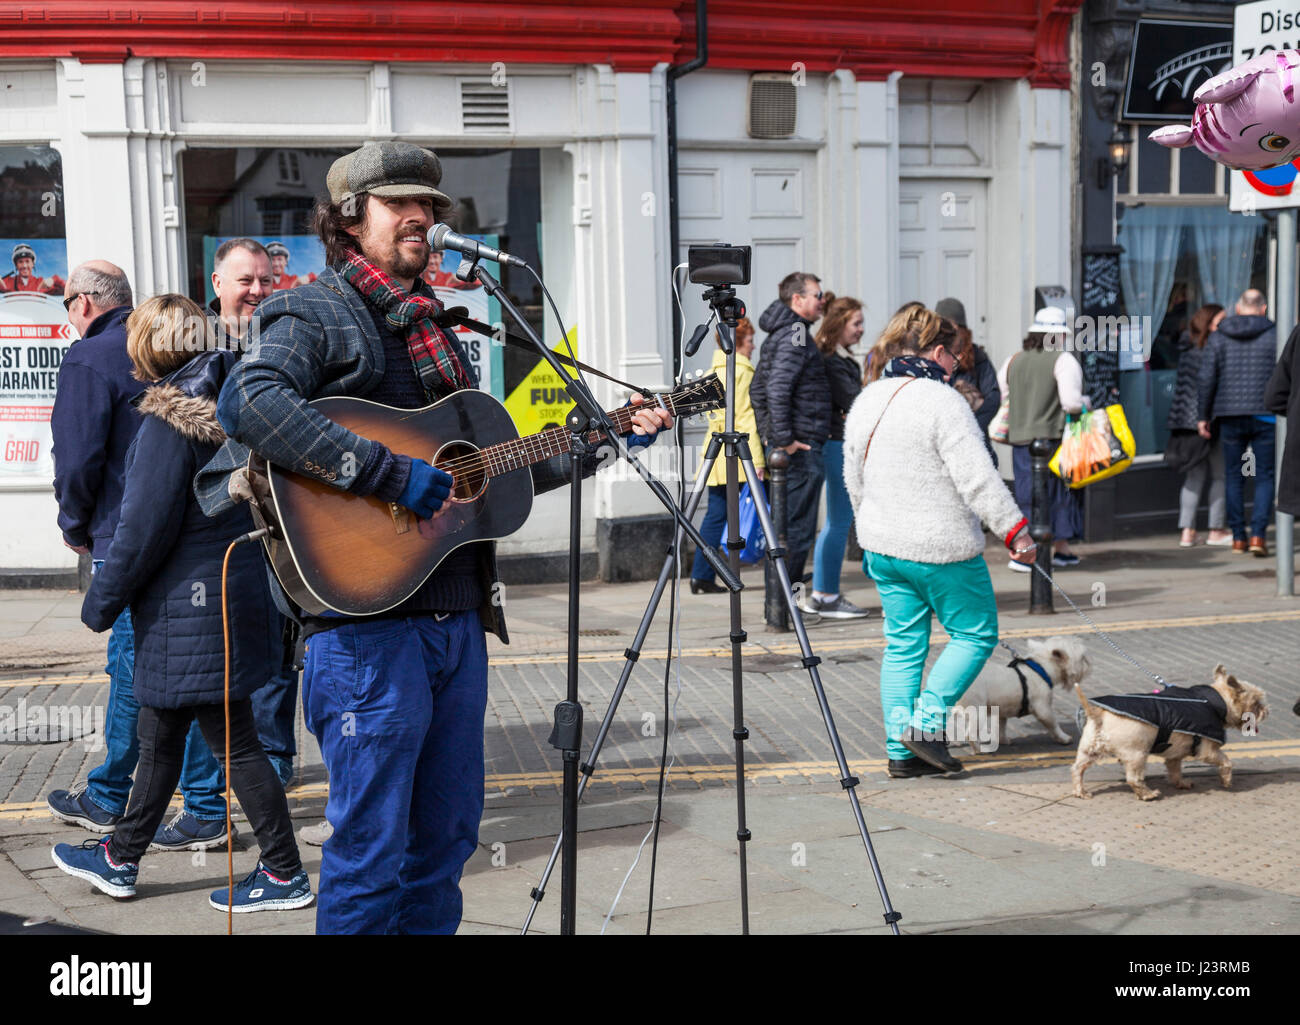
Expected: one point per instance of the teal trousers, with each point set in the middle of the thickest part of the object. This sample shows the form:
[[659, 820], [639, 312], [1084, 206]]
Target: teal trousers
[[961, 595]]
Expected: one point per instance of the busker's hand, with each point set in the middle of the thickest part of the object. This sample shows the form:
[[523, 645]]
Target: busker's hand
[[1203, 429], [1023, 548], [651, 419], [79, 549], [426, 490], [794, 447]]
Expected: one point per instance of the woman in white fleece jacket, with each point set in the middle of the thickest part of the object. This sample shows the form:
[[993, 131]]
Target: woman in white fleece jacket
[[920, 497]]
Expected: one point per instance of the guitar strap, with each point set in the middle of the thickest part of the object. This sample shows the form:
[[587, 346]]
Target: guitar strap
[[519, 342]]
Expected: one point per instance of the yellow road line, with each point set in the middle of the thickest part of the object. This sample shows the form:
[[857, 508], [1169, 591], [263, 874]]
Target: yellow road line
[[815, 769]]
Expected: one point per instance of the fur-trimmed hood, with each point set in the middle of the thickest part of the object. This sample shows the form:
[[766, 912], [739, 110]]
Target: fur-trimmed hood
[[186, 399]]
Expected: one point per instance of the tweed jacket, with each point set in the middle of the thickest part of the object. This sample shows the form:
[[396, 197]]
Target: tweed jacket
[[311, 342]]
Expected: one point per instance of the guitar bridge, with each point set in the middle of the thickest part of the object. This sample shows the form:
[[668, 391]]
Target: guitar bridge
[[401, 517]]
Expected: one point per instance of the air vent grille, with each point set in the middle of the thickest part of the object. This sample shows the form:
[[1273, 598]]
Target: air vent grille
[[484, 107], [772, 106]]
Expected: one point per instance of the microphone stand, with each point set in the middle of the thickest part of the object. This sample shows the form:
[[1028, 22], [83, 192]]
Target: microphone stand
[[566, 734]]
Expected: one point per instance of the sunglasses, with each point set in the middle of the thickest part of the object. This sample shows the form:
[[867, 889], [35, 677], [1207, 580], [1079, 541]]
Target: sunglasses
[[67, 303]]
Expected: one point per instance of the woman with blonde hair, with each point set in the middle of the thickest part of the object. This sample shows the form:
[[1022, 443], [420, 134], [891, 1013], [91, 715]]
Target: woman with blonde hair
[[924, 490], [841, 329], [165, 563], [898, 338]]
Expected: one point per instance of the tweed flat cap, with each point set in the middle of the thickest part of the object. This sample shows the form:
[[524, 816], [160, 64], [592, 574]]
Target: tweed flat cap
[[388, 169]]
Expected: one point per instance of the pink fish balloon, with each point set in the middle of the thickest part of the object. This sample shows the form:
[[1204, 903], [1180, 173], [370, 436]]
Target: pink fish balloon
[[1246, 118]]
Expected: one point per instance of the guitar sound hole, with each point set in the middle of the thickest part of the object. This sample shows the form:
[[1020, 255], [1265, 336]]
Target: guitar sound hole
[[463, 461]]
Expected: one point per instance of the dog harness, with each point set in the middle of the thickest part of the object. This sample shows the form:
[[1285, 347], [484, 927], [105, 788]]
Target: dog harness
[[1015, 663], [1198, 711]]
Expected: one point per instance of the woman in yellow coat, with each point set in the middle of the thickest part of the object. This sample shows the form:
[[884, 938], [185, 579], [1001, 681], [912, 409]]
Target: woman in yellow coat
[[715, 518]]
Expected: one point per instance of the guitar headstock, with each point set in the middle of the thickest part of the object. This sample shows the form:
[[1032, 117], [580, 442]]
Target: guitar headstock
[[698, 396]]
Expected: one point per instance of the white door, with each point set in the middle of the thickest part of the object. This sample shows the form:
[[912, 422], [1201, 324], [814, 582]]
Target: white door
[[762, 200], [941, 245]]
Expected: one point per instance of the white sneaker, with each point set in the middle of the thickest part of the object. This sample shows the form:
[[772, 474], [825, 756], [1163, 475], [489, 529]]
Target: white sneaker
[[316, 835], [838, 608], [1018, 567]]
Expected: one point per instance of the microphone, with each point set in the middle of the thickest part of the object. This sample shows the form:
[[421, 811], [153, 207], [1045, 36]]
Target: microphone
[[442, 237]]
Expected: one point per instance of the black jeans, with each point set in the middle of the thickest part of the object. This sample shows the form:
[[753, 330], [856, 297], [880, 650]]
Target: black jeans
[[162, 734], [803, 492]]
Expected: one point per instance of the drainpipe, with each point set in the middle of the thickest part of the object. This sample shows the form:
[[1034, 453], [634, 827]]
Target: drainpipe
[[676, 71]]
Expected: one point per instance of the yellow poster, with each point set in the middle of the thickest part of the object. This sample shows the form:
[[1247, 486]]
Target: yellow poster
[[540, 401]]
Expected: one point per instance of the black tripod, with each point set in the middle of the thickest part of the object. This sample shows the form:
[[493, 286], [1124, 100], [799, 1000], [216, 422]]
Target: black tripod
[[728, 309]]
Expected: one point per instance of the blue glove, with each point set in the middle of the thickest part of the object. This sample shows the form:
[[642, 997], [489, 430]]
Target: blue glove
[[426, 489], [634, 440]]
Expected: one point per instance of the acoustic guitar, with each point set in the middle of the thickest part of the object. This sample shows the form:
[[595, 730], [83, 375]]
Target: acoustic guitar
[[336, 551]]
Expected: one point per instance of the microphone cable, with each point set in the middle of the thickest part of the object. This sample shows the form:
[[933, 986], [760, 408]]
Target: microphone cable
[[225, 637], [666, 761]]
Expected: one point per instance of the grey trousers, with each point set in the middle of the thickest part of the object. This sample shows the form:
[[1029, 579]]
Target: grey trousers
[[1189, 497]]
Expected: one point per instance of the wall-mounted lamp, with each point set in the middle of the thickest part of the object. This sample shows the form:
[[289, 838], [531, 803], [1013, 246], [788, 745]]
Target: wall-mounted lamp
[[1115, 162]]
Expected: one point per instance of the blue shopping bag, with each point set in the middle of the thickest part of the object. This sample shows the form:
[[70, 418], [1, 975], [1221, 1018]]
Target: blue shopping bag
[[751, 529]]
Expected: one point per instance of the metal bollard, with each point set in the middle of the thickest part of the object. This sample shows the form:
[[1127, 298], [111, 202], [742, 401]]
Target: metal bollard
[[775, 611], [1040, 527]]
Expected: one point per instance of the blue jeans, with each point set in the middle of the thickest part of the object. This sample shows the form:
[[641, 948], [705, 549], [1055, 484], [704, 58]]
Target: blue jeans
[[274, 706], [397, 706], [803, 492], [828, 557], [109, 783], [1065, 507], [911, 594], [712, 529], [1239, 433]]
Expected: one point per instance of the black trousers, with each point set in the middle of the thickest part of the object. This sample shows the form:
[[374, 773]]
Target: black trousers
[[162, 733]]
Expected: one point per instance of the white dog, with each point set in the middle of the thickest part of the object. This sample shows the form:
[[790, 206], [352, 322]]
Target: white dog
[[1016, 690]]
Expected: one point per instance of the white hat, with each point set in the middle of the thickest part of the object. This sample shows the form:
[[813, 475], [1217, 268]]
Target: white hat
[[1049, 320]]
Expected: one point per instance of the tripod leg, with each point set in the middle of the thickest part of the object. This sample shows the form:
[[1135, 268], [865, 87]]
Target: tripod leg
[[810, 662], [739, 732], [632, 655]]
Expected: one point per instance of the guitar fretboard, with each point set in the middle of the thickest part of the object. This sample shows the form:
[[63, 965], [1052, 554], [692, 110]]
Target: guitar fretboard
[[557, 441]]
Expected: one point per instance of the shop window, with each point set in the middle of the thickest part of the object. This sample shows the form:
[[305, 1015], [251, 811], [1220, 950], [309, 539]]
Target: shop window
[[1176, 259], [34, 329], [1195, 173], [268, 194]]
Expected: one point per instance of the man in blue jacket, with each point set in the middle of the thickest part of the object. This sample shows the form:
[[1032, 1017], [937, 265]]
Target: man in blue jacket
[[1235, 369], [93, 424], [396, 701]]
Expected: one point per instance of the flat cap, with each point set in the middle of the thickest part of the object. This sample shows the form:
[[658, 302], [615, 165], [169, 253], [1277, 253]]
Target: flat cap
[[388, 169]]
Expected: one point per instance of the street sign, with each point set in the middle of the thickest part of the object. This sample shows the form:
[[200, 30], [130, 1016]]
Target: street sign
[[1259, 28]]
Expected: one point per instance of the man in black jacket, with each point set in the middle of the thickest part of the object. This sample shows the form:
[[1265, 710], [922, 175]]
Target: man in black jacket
[[1234, 375], [792, 402]]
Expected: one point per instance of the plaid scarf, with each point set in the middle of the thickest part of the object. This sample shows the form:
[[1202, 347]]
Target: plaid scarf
[[412, 314]]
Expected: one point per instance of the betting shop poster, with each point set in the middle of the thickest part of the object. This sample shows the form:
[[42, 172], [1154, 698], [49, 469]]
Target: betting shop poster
[[299, 259], [34, 337]]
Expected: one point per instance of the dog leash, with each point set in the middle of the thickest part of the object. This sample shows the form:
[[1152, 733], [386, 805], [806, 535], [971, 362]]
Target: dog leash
[[1098, 630]]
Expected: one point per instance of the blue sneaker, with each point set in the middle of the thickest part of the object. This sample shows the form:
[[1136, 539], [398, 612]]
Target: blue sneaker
[[90, 861], [75, 807], [261, 891], [186, 833]]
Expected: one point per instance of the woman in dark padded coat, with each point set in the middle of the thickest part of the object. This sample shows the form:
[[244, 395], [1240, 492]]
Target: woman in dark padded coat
[[165, 563]]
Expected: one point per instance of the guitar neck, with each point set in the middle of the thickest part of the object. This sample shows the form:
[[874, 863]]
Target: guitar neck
[[557, 441]]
